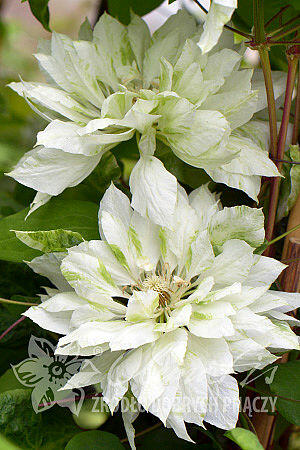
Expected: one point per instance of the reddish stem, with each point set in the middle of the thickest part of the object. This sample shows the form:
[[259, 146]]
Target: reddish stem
[[280, 12], [297, 113], [275, 184], [12, 326]]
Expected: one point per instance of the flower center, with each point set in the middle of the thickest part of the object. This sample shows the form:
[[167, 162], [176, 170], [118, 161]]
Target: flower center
[[161, 285]]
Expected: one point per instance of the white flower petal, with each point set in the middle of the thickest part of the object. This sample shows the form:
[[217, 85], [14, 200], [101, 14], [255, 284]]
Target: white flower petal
[[201, 255], [205, 204], [196, 136], [116, 383], [207, 327], [215, 355], [179, 317], [179, 238], [223, 402], [50, 171], [144, 241], [233, 264], [40, 199], [154, 190], [247, 183], [119, 334], [115, 216], [239, 222], [264, 271], [221, 64], [55, 100], [93, 271], [64, 136], [219, 14], [176, 422], [139, 38], [251, 160], [111, 35], [248, 354], [258, 83], [282, 337], [235, 100], [291, 299], [129, 417], [93, 370], [167, 42], [69, 66], [48, 266], [166, 356], [55, 322], [142, 305]]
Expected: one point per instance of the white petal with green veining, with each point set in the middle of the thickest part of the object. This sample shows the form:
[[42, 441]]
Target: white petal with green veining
[[219, 14], [51, 171], [239, 222], [154, 190]]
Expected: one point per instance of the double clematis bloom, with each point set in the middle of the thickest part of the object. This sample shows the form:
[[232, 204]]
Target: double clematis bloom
[[168, 314], [122, 82]]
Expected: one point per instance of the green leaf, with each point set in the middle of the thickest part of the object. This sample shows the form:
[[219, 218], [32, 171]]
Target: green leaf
[[9, 382], [94, 440], [286, 384], [5, 444], [18, 421], [40, 10], [17, 282], [50, 430], [77, 216], [121, 10], [49, 241], [245, 439]]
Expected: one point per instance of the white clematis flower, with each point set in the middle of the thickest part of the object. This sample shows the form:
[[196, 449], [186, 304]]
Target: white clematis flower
[[219, 14], [169, 314], [125, 82]]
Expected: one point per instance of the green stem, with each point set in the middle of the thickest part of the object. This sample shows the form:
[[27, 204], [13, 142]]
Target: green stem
[[266, 67], [14, 302], [259, 33], [258, 391], [146, 431], [258, 16], [270, 43], [280, 12], [284, 26], [249, 423], [297, 113], [284, 234], [275, 183], [286, 32]]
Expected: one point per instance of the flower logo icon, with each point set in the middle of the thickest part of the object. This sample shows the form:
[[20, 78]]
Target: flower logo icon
[[46, 373]]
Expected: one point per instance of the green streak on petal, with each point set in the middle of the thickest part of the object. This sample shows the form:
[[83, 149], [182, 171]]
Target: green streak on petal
[[119, 255], [163, 242], [135, 240], [202, 316], [105, 275]]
